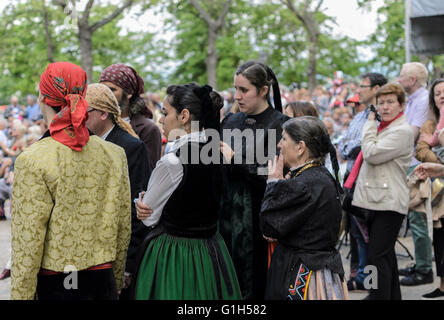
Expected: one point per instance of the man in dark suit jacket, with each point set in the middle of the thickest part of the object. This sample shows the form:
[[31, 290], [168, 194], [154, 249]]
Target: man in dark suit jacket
[[148, 132], [127, 86], [104, 121]]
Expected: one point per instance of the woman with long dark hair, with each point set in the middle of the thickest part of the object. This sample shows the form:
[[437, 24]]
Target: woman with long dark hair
[[184, 257], [251, 137]]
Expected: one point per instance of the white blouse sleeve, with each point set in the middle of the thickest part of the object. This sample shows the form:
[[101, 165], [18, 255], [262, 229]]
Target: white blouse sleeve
[[164, 179]]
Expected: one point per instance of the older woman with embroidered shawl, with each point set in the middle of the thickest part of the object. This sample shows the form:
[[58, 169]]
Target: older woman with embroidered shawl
[[302, 211], [70, 202]]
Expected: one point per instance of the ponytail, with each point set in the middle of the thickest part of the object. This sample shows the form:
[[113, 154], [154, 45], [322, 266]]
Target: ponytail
[[276, 90], [330, 148], [210, 113]]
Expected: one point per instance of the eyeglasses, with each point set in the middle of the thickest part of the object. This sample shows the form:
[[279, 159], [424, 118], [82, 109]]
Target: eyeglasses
[[91, 110], [367, 86]]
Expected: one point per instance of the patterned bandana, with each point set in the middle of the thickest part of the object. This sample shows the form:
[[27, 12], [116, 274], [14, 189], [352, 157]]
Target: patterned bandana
[[101, 97], [64, 84], [124, 77]]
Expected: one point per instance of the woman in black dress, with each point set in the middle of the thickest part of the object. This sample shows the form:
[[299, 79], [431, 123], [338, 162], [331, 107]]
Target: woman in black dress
[[260, 125], [302, 211]]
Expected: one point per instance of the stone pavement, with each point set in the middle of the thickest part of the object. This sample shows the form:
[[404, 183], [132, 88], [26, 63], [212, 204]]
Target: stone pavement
[[408, 293]]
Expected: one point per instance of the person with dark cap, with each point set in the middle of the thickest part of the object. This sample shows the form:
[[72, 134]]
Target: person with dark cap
[[105, 121], [127, 86], [70, 202]]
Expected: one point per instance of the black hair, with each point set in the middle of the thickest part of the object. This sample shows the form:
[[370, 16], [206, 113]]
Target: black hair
[[376, 79], [202, 102], [261, 75], [136, 105], [432, 104], [314, 133]]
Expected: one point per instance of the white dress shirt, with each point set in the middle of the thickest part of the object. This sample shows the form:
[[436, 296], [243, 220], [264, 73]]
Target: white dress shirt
[[166, 177]]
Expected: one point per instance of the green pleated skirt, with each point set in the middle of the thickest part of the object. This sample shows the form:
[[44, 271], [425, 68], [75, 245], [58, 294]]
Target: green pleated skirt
[[177, 268]]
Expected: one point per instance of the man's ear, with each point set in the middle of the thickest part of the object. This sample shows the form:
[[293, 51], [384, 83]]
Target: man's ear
[[104, 115]]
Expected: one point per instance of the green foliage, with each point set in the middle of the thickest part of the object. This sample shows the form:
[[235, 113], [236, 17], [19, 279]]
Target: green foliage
[[23, 54], [388, 42], [190, 44], [23, 51], [264, 30]]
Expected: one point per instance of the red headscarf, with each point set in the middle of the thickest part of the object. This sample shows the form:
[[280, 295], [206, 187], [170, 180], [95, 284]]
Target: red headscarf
[[63, 84]]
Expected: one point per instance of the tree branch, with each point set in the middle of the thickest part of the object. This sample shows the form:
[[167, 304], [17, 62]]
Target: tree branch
[[87, 11], [49, 44], [318, 6], [111, 17], [203, 13], [221, 19], [289, 4]]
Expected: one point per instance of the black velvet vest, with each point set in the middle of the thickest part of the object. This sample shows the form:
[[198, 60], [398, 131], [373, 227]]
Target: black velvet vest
[[192, 209]]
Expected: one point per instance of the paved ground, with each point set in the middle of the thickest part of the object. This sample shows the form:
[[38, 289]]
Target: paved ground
[[408, 293], [5, 241]]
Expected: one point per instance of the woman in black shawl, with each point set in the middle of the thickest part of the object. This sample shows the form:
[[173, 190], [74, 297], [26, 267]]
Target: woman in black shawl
[[302, 211], [250, 140]]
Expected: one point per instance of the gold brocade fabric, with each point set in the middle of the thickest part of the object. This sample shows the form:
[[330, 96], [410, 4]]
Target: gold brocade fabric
[[69, 209]]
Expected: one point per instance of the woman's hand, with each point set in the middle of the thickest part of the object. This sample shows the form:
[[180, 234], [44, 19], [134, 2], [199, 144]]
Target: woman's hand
[[276, 168], [428, 169], [143, 210], [227, 152], [371, 116]]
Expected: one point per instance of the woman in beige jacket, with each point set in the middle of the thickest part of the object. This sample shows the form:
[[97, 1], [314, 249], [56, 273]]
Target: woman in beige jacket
[[381, 186]]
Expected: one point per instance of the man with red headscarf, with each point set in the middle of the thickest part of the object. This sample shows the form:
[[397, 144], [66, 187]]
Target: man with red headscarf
[[127, 86], [70, 203]]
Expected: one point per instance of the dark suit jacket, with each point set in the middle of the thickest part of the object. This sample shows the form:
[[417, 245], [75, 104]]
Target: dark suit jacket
[[149, 133], [139, 173]]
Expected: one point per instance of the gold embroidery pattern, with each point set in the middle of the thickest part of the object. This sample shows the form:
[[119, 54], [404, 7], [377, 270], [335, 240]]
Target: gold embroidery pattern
[[68, 209]]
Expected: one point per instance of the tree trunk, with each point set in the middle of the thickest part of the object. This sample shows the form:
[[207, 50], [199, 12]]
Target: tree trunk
[[49, 44], [85, 41], [312, 61], [211, 60]]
